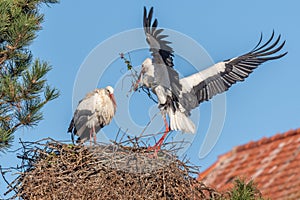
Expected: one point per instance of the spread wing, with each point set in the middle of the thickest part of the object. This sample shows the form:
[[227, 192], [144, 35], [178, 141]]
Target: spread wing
[[161, 51], [218, 78], [162, 54]]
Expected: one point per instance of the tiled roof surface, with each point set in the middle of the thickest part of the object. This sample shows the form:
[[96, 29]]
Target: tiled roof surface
[[273, 163]]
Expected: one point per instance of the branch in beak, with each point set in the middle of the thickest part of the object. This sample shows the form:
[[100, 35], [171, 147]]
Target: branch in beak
[[136, 85]]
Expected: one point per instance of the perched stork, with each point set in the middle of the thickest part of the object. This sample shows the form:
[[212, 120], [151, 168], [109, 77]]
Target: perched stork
[[93, 112], [177, 97]]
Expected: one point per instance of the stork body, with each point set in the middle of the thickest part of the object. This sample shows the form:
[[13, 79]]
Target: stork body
[[177, 97], [93, 112]]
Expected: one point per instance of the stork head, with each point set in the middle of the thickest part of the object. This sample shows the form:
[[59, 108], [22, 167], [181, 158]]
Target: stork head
[[110, 91], [146, 72], [147, 62]]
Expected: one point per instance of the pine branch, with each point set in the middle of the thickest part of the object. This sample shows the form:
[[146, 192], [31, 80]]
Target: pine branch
[[23, 85], [5, 139]]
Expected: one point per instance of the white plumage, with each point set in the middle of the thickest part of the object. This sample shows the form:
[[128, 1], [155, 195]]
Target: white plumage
[[177, 97], [93, 112]]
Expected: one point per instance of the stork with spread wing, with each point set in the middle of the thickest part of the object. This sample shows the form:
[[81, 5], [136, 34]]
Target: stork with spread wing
[[177, 97], [93, 112]]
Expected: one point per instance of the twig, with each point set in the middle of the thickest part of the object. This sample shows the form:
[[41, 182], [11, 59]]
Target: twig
[[51, 169], [9, 185], [148, 124]]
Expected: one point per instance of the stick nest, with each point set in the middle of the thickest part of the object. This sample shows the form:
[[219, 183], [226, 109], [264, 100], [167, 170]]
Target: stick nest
[[54, 170]]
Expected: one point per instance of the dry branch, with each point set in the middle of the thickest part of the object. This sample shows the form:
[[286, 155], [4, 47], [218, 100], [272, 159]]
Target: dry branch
[[123, 170]]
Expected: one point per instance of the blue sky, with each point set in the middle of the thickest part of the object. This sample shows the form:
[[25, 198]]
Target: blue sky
[[265, 104]]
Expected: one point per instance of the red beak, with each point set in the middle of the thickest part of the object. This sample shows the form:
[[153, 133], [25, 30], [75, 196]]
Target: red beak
[[136, 85], [112, 97]]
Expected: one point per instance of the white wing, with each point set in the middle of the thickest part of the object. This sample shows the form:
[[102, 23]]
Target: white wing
[[84, 116], [218, 78]]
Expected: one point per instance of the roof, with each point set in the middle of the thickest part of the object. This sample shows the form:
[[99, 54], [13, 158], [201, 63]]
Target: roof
[[273, 163]]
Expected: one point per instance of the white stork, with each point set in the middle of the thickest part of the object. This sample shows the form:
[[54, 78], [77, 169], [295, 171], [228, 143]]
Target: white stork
[[177, 97], [93, 112]]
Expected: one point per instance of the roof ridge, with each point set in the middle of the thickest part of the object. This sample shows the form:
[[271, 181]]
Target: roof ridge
[[266, 140]]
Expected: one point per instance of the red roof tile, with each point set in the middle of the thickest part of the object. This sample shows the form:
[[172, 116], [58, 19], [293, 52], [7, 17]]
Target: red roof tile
[[273, 163]]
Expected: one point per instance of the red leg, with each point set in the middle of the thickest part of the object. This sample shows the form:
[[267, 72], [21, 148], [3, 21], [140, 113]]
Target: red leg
[[157, 146], [91, 133]]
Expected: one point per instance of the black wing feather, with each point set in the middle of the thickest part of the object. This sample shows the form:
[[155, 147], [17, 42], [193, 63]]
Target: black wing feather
[[161, 52], [237, 69]]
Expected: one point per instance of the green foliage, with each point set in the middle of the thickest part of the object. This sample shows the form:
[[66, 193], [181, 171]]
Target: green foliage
[[23, 85], [244, 191]]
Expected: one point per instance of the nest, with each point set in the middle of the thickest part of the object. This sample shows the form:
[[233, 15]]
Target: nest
[[54, 170]]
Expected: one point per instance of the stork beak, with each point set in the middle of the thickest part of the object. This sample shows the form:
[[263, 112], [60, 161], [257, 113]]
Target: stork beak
[[136, 85], [112, 97]]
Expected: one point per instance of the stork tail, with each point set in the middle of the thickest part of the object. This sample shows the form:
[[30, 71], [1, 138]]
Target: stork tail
[[72, 130], [179, 121]]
